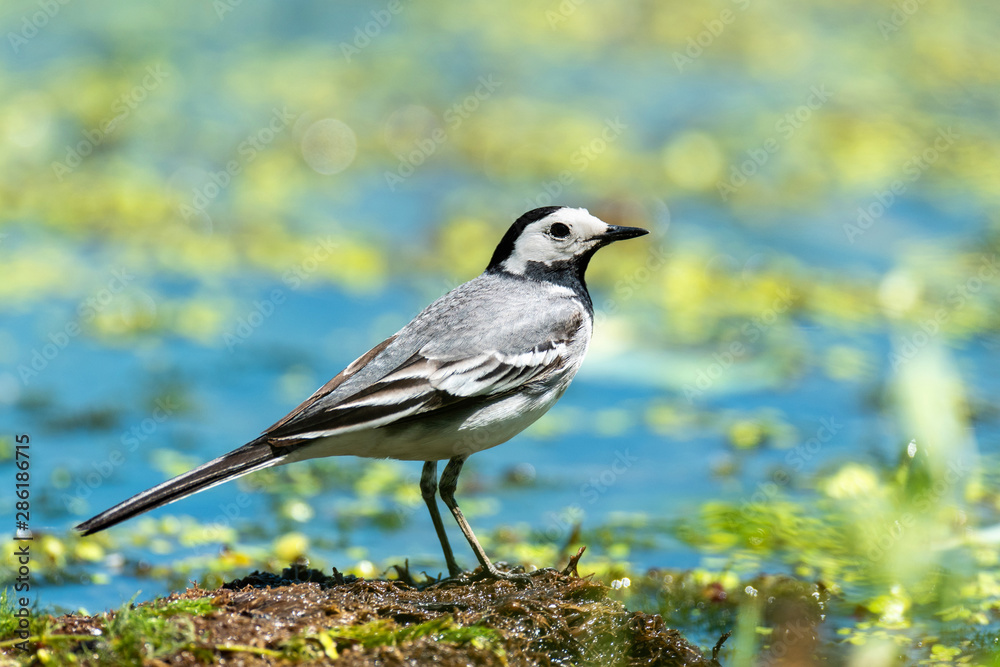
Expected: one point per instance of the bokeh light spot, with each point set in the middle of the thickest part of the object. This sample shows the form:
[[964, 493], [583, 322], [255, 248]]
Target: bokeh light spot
[[329, 146]]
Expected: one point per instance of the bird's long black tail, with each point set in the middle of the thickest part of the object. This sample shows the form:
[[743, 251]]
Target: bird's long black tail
[[252, 456]]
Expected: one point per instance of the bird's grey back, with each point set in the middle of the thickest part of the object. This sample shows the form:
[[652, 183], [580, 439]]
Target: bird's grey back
[[491, 313]]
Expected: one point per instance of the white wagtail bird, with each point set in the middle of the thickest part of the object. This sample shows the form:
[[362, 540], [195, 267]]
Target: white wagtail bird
[[471, 371]]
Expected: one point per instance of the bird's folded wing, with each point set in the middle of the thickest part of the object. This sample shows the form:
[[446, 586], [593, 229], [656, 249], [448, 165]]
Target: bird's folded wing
[[421, 384]]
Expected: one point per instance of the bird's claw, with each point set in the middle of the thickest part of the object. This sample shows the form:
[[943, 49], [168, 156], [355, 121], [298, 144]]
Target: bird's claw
[[483, 573]]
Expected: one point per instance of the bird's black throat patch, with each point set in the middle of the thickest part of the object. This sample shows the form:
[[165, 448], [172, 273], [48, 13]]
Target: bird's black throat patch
[[566, 273]]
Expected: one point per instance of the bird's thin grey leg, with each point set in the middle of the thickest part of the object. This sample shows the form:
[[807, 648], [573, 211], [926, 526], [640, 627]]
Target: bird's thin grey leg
[[428, 489], [449, 482]]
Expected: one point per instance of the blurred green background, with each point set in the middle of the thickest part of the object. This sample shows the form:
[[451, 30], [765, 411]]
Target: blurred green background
[[208, 208]]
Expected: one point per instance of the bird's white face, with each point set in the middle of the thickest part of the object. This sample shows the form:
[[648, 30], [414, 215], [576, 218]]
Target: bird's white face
[[558, 237]]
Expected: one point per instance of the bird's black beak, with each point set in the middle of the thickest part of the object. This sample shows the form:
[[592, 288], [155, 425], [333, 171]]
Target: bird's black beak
[[618, 233]]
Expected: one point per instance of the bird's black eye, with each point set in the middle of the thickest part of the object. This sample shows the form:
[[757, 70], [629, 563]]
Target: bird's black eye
[[559, 230]]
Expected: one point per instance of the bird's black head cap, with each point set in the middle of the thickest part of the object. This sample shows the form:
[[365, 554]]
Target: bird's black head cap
[[506, 245]]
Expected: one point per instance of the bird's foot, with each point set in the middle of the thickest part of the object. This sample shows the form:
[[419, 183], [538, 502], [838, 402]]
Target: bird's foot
[[481, 573], [490, 571], [494, 573], [545, 570]]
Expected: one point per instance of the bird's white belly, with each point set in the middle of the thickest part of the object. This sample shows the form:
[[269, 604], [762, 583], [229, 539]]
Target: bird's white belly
[[436, 440]]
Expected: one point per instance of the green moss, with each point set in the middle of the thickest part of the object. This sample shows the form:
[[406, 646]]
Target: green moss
[[131, 635], [12, 623], [387, 633]]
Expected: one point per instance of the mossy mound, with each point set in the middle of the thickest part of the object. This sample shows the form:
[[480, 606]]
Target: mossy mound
[[305, 617]]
